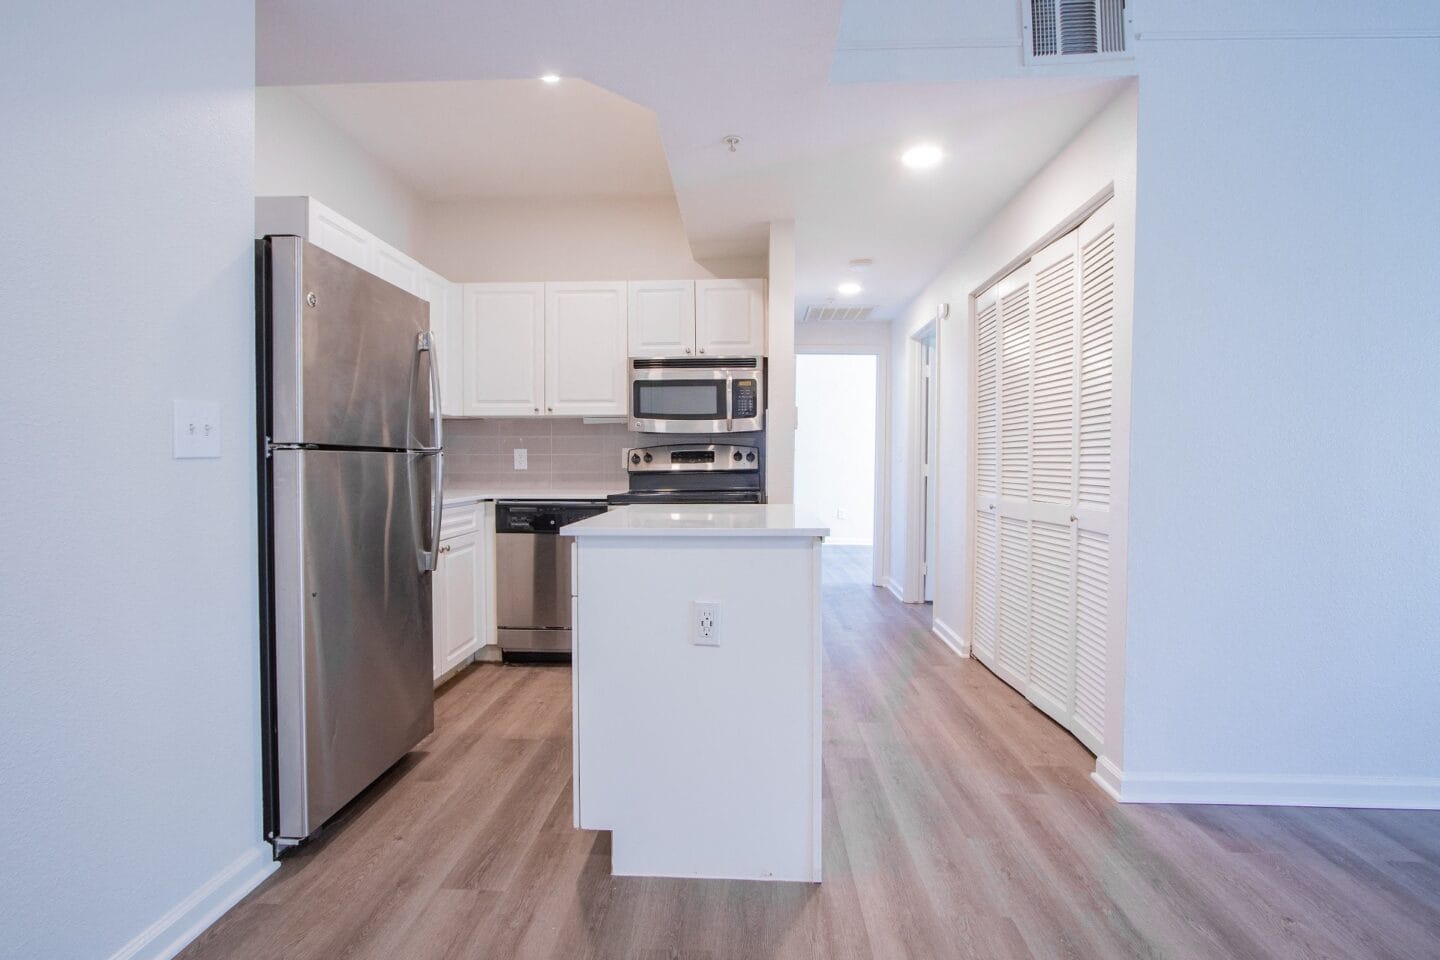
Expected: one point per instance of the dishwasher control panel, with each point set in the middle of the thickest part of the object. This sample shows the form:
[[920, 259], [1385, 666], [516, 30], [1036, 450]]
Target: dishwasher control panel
[[542, 516]]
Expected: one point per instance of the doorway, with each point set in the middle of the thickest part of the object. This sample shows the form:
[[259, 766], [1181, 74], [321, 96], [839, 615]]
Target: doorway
[[835, 449], [927, 467]]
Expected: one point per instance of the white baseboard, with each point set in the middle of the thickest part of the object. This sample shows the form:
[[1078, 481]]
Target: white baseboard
[[1107, 777], [894, 588], [190, 917], [950, 636], [1386, 793]]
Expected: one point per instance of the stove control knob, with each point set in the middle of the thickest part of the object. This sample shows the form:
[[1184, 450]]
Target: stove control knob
[[634, 458], [648, 458], [737, 454], [750, 456]]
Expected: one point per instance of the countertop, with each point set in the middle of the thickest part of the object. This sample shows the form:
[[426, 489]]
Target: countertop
[[458, 494], [691, 520]]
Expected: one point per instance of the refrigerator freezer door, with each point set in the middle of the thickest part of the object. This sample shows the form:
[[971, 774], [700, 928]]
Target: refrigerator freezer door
[[353, 624], [345, 363]]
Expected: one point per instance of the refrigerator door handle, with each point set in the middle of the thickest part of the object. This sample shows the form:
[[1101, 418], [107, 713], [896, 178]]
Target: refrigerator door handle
[[426, 344]]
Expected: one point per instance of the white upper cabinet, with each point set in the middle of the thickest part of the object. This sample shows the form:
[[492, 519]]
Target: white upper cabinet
[[662, 318], [391, 265], [585, 341], [445, 324], [504, 347], [330, 231], [730, 318]]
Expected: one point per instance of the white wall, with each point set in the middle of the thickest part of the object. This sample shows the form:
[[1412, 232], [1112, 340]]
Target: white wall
[[567, 238], [130, 768], [298, 152], [780, 382], [1284, 603], [1102, 154], [835, 443]]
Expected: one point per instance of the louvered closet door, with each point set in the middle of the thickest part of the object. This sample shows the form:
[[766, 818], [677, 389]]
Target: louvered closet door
[[1043, 604], [1012, 657], [987, 477], [1096, 600], [1054, 294]]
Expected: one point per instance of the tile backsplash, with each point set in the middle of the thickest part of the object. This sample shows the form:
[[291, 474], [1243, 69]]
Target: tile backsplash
[[560, 451]]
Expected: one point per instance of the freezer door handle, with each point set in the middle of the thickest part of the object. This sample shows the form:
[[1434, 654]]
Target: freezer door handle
[[431, 558]]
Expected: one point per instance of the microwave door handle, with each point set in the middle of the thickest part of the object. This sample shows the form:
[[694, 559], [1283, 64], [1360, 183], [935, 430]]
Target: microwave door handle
[[729, 405]]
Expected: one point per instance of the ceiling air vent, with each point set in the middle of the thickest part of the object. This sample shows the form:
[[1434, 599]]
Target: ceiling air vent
[[1093, 29], [837, 314]]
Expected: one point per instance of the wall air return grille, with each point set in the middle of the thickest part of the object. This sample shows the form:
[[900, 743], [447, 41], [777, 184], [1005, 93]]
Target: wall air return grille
[[837, 314], [1093, 29]]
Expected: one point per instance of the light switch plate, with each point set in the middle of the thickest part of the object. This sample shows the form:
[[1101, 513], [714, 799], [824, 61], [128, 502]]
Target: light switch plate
[[197, 429], [522, 458]]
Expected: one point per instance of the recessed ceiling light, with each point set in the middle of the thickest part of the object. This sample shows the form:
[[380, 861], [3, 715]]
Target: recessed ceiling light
[[849, 288], [551, 78], [922, 156]]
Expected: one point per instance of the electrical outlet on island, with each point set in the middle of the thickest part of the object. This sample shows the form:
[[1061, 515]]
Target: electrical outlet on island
[[522, 458]]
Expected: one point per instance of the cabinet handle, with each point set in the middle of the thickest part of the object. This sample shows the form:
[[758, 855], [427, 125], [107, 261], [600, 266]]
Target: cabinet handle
[[551, 409], [537, 409], [445, 548], [1073, 518], [687, 349], [702, 349]]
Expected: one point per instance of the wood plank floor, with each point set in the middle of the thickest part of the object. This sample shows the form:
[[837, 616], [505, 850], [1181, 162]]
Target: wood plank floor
[[959, 822]]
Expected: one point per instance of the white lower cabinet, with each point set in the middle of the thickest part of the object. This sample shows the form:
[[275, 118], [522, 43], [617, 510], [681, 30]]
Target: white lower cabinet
[[461, 588]]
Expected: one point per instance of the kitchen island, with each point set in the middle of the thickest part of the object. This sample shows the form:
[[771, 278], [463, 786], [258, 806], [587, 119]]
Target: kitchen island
[[696, 684]]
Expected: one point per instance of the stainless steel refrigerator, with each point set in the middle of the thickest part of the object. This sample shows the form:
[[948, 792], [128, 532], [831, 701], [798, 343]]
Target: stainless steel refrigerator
[[350, 474]]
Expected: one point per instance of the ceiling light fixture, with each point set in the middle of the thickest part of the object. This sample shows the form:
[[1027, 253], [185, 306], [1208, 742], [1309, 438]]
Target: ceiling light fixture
[[922, 156], [550, 78], [849, 288]]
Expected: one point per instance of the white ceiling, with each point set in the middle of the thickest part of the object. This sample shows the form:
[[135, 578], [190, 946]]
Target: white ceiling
[[503, 138], [822, 153]]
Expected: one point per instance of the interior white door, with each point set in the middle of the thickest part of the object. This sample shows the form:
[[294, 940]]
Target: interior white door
[[1012, 659], [986, 459], [586, 349], [730, 318], [504, 348], [662, 318], [1054, 295], [1099, 458]]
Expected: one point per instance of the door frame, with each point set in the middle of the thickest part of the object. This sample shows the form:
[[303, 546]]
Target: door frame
[[880, 536], [912, 590]]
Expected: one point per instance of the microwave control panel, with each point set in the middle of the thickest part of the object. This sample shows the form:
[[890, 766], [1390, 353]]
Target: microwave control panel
[[745, 399]]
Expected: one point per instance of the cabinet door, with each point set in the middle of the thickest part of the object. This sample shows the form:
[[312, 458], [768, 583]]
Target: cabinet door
[[444, 299], [392, 266], [504, 347], [730, 318], [458, 571], [662, 318], [330, 231], [585, 349]]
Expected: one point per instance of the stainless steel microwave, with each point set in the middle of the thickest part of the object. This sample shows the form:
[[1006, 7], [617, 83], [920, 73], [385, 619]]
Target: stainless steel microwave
[[697, 395]]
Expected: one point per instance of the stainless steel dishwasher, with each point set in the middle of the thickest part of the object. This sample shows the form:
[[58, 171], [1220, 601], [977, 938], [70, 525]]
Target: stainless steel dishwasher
[[532, 578]]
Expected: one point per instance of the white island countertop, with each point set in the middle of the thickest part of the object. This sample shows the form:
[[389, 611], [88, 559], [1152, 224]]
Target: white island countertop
[[697, 520]]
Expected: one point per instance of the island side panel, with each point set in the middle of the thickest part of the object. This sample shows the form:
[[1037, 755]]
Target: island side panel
[[703, 760]]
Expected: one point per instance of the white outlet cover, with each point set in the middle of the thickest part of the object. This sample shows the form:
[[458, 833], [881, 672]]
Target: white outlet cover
[[522, 458], [705, 623], [197, 429]]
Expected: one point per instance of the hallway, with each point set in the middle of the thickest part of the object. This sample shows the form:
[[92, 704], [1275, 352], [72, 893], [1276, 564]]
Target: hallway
[[959, 822]]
